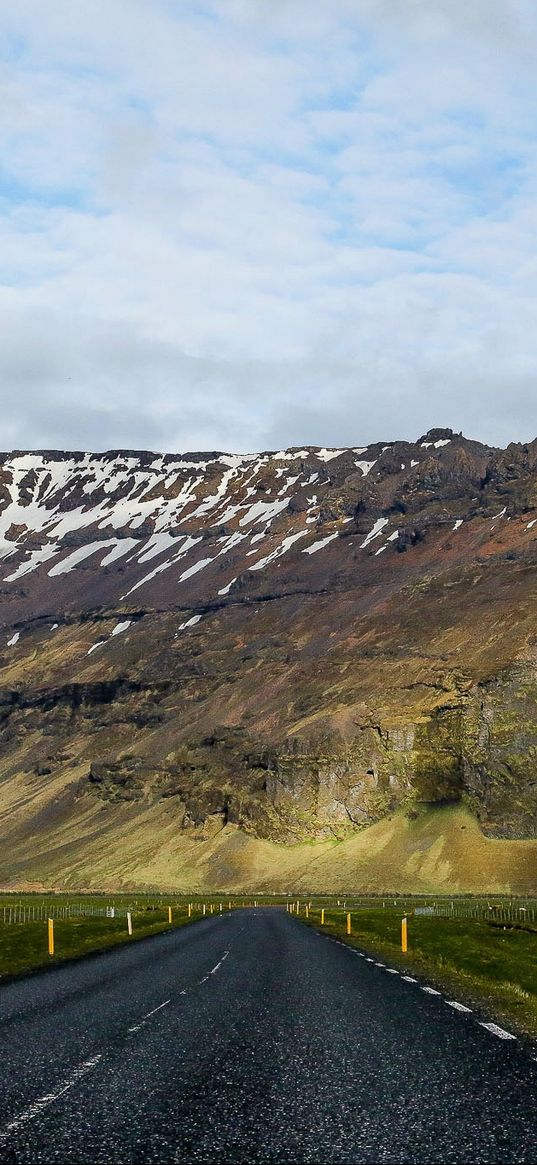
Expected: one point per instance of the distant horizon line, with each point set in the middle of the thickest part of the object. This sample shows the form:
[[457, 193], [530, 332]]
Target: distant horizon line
[[437, 432]]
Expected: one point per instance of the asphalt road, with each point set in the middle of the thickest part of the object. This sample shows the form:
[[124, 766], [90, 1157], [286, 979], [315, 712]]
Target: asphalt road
[[249, 1038]]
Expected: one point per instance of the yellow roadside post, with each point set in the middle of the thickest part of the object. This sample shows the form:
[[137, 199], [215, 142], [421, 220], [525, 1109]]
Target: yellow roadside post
[[404, 936], [220, 908], [204, 908], [307, 911], [51, 936], [169, 913], [229, 905], [129, 921], [211, 907], [322, 916], [298, 907], [349, 926], [190, 910]]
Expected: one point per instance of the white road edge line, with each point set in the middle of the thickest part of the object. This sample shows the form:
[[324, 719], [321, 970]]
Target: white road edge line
[[43, 1102], [215, 968], [155, 1009], [458, 1006], [409, 979], [497, 1031], [431, 990]]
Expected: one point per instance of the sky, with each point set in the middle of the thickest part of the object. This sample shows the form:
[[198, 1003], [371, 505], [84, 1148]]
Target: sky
[[254, 224]]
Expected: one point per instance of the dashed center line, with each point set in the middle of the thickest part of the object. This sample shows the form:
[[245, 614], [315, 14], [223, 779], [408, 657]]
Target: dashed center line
[[159, 1008], [43, 1102], [458, 1006], [409, 979], [431, 990]]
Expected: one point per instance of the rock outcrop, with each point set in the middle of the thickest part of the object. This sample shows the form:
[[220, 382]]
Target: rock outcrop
[[294, 644]]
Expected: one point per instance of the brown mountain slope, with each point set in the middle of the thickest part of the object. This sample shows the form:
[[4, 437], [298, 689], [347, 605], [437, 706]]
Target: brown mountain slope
[[225, 670]]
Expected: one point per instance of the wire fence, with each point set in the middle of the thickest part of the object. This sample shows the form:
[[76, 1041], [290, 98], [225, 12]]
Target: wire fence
[[39, 912], [483, 910], [505, 912], [513, 912]]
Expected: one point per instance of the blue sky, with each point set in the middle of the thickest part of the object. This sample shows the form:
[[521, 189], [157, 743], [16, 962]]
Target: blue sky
[[237, 225]]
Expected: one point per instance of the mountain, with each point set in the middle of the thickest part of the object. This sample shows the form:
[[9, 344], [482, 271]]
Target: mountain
[[313, 667]]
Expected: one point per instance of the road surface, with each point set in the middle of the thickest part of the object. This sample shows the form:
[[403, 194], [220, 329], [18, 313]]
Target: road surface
[[250, 1038]]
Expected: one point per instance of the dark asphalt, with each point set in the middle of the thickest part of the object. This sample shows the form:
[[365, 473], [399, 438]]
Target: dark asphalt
[[277, 1045]]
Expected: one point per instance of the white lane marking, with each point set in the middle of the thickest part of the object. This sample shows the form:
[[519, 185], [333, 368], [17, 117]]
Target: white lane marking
[[34, 1109], [370, 960], [215, 968], [498, 1031], [380, 964], [431, 991], [155, 1009], [409, 979], [136, 1028], [392, 971], [458, 1006]]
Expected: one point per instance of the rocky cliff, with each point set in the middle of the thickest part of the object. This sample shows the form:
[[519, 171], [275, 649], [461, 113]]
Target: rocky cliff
[[288, 646]]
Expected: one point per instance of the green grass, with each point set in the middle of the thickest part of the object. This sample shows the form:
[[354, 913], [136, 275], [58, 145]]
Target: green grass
[[484, 962], [477, 960], [24, 946]]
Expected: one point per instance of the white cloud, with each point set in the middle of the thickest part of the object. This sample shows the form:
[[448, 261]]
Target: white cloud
[[238, 225]]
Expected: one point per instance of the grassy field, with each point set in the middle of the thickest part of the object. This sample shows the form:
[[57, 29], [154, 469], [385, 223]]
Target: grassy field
[[490, 958], [24, 945], [486, 962]]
